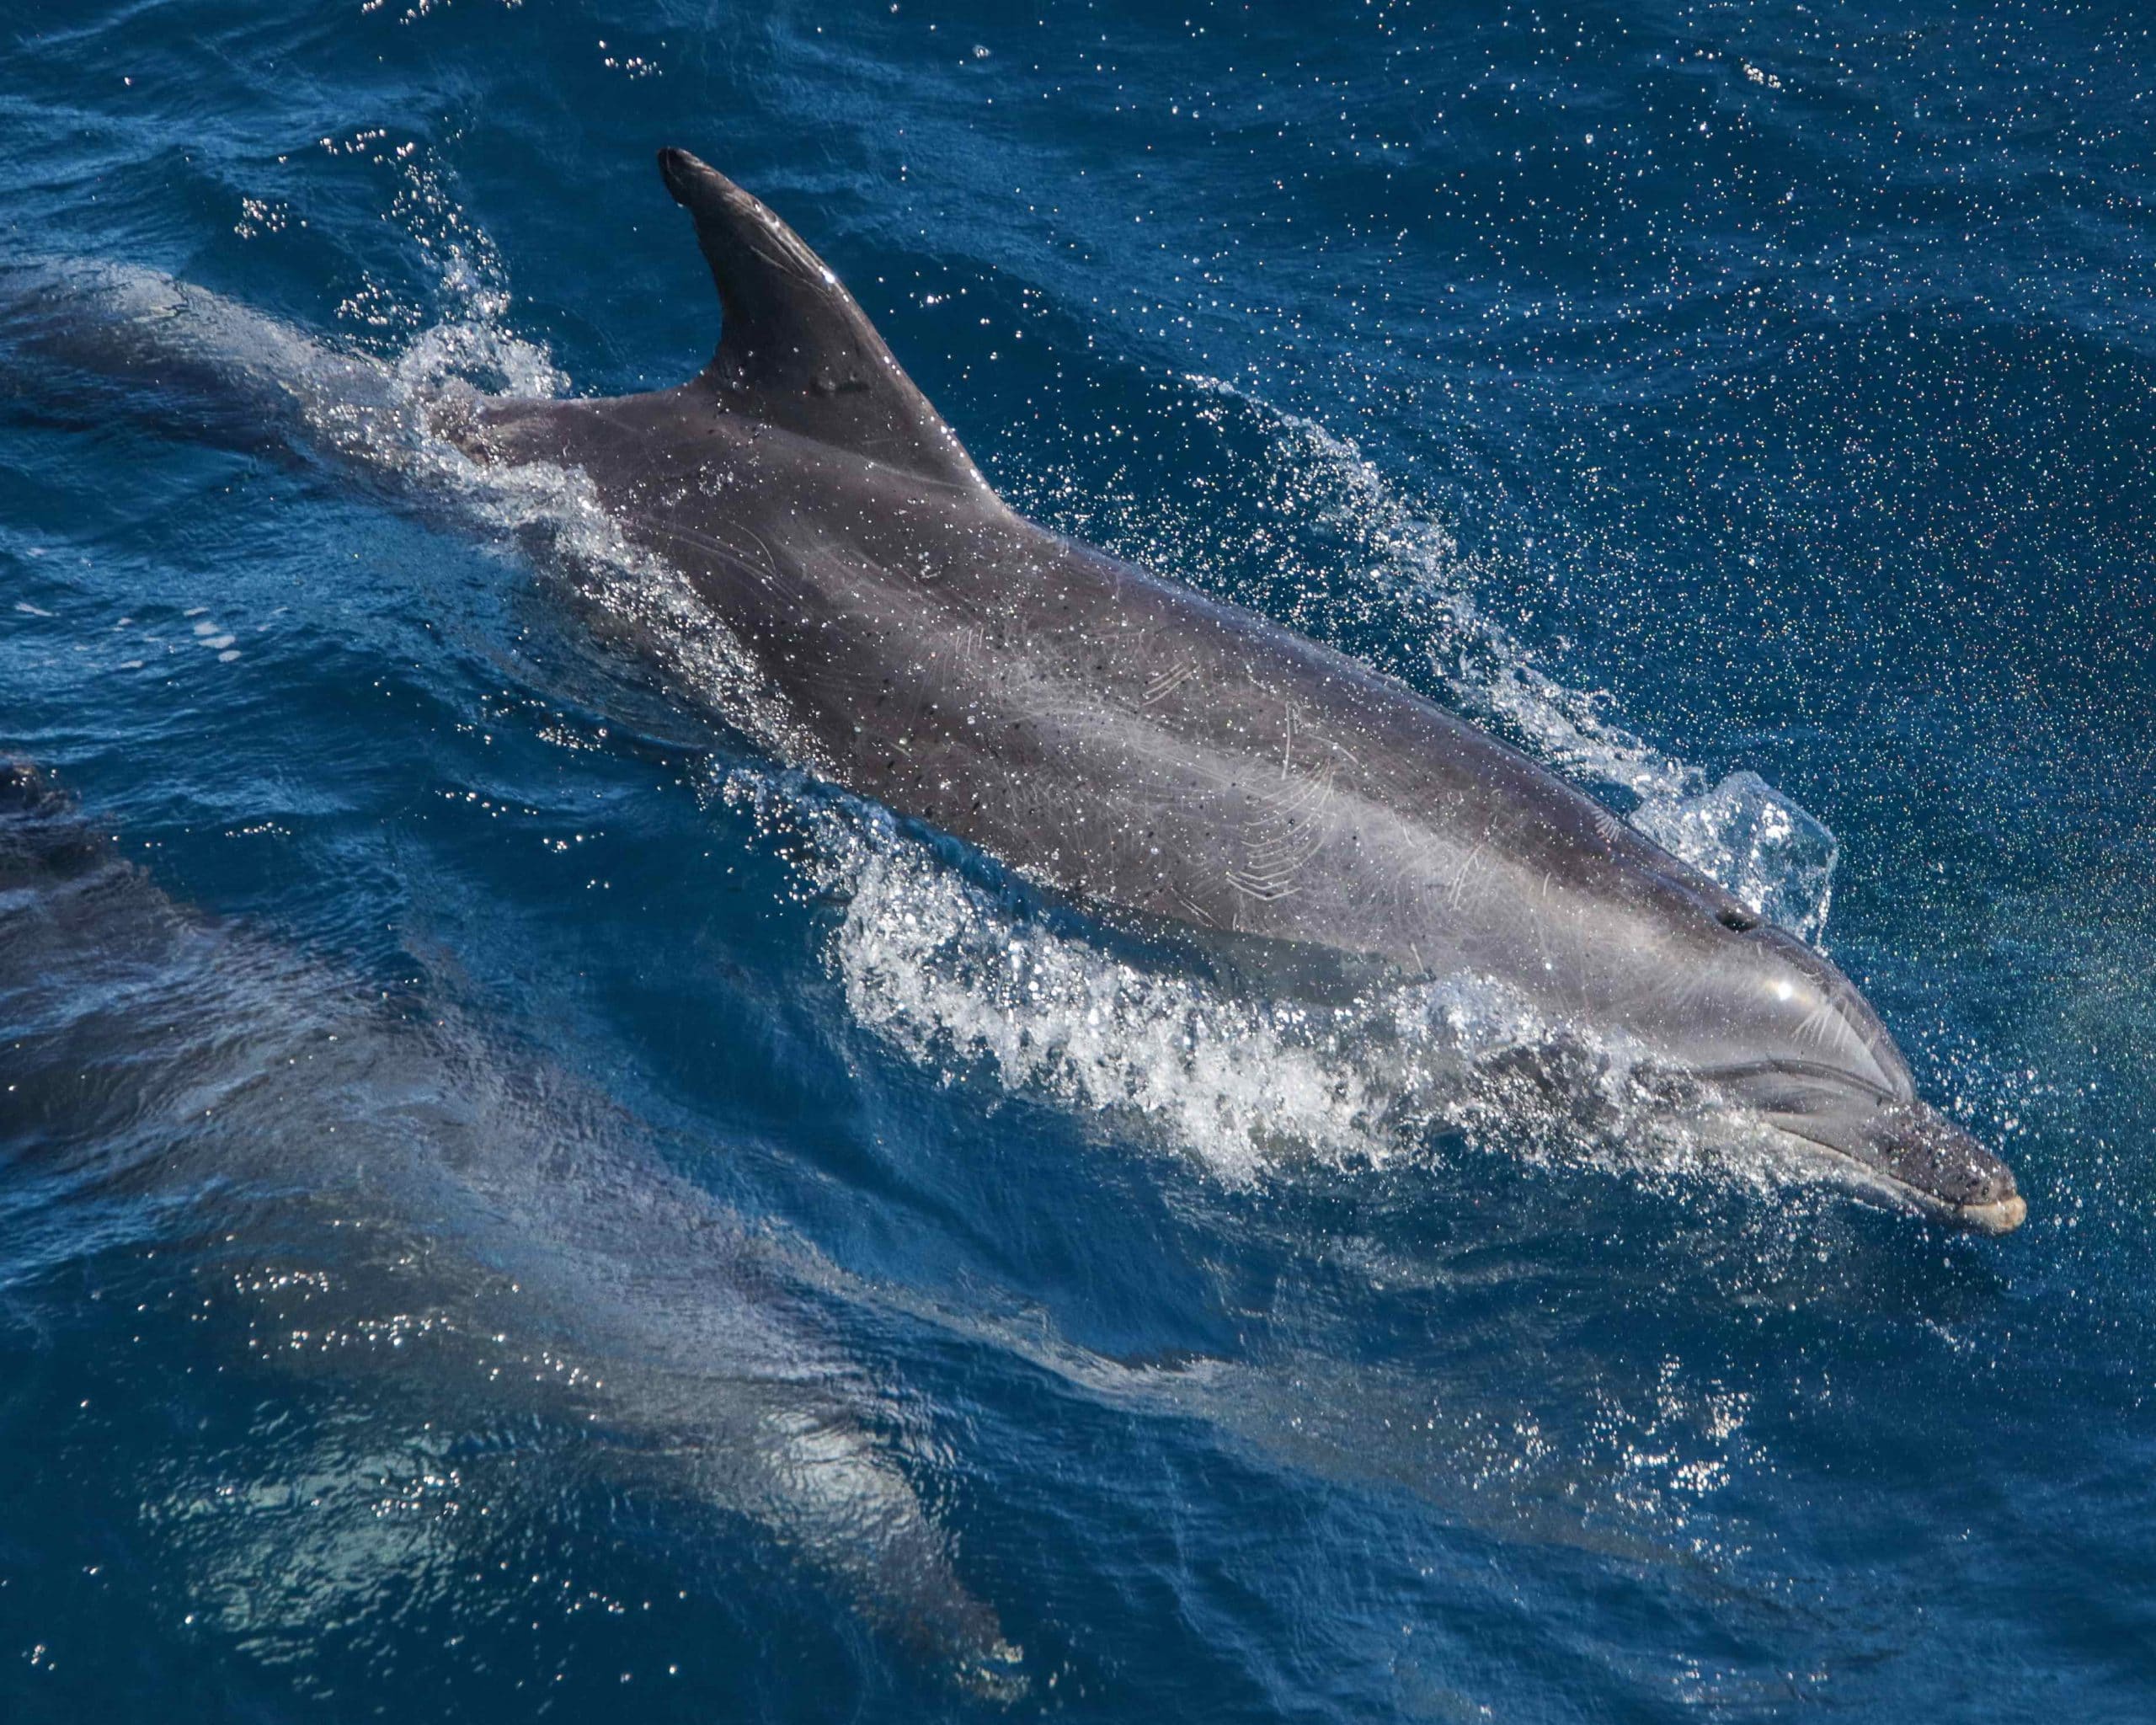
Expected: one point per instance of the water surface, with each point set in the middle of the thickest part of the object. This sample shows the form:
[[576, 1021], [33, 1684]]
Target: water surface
[[525, 1203]]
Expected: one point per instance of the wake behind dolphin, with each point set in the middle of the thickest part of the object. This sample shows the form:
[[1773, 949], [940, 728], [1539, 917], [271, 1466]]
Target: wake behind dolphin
[[1171, 762]]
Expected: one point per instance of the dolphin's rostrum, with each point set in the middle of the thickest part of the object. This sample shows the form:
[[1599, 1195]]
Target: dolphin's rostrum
[[1154, 752]]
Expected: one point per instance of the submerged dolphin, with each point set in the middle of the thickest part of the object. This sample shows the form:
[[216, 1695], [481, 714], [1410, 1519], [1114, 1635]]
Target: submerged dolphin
[[1148, 750], [458, 1224]]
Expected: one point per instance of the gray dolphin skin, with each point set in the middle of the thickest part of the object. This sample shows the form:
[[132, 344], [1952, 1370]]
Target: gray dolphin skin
[[1148, 750]]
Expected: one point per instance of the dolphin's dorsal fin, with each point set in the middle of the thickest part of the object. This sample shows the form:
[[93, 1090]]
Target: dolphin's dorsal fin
[[794, 350]]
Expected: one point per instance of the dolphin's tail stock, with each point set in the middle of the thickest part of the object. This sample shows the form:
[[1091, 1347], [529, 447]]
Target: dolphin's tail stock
[[449, 1223], [83, 340], [810, 1466]]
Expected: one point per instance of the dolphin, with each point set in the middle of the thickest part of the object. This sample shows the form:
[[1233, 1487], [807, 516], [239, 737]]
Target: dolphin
[[457, 1224], [1163, 756]]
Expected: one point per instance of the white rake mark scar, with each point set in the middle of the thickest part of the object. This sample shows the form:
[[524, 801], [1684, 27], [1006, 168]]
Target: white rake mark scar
[[1167, 683], [1691, 983], [1819, 1025], [717, 547], [1282, 840], [1204, 917], [1466, 867]]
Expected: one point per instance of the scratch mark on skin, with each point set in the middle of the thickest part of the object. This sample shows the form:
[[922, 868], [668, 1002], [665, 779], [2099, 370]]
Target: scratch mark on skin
[[1167, 683], [1540, 925], [1607, 827], [1817, 1024], [716, 547], [1282, 839], [1691, 982], [789, 264], [1466, 867], [1204, 917]]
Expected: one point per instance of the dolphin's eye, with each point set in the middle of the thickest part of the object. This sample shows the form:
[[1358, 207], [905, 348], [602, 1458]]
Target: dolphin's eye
[[1736, 917]]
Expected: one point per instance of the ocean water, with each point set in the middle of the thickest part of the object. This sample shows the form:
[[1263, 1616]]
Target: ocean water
[[516, 1201]]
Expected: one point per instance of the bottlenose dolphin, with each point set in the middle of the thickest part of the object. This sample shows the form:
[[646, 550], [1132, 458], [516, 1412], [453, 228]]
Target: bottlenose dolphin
[[1158, 753], [457, 1225]]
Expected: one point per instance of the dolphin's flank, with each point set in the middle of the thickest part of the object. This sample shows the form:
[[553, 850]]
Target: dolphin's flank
[[1155, 752]]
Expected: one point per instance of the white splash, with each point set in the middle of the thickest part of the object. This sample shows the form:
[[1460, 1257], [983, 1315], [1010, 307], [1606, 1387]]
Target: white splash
[[1756, 841], [964, 980]]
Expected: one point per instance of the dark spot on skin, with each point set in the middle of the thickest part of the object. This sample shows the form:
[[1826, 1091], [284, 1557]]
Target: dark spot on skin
[[1738, 918]]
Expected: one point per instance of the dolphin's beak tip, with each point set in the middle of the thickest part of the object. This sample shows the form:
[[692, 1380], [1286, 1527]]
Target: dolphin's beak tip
[[1959, 1180], [2002, 1216]]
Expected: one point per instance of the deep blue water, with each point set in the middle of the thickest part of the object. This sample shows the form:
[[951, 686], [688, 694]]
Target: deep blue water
[[498, 1074]]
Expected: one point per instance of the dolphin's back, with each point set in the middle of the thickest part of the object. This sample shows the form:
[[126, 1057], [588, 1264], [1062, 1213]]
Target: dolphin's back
[[413, 1180], [1121, 738]]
